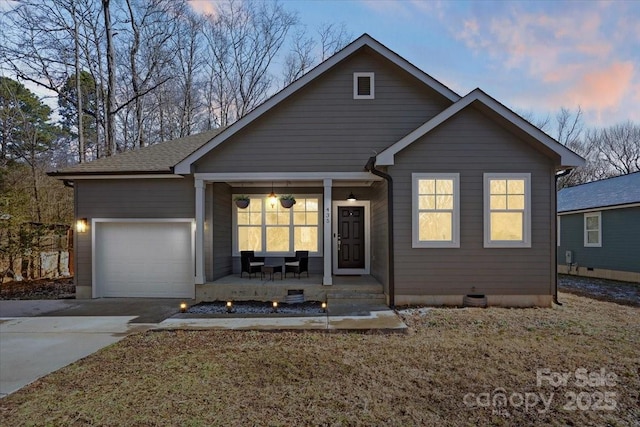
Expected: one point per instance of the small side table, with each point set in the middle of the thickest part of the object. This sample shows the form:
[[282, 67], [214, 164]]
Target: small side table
[[270, 270]]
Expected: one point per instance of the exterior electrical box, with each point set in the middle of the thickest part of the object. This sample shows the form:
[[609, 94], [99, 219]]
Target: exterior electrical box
[[568, 257]]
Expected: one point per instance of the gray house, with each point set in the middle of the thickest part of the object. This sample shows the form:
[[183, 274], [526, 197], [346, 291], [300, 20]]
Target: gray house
[[454, 195], [599, 229]]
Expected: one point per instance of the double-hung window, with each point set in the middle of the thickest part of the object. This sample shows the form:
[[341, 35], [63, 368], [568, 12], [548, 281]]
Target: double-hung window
[[507, 210], [592, 229], [436, 210], [267, 227]]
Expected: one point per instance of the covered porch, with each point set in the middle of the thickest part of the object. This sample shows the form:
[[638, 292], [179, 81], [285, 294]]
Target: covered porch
[[223, 230]]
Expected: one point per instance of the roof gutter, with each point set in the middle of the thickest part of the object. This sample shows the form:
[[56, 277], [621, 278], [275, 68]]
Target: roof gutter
[[555, 247], [371, 167]]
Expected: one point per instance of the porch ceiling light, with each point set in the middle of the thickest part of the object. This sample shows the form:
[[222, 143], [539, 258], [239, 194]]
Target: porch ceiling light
[[273, 198], [351, 197]]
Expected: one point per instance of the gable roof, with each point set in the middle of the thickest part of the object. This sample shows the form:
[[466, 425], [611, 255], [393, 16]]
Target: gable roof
[[618, 191], [568, 158], [184, 167], [153, 159]]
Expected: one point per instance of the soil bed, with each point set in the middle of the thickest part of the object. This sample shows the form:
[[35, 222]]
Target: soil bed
[[38, 289], [255, 308], [605, 290]]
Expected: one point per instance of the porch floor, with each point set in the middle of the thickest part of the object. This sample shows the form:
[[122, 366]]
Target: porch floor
[[363, 288]]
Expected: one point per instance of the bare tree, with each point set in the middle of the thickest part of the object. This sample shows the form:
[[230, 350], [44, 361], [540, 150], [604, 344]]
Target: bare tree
[[244, 38], [618, 146]]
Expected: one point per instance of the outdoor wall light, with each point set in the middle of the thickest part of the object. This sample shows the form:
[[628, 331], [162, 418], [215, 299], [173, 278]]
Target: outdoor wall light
[[229, 306], [275, 306], [183, 307], [81, 225], [351, 197]]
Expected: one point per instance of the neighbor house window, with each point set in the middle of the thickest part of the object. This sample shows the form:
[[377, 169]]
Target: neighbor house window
[[593, 229], [273, 230], [507, 210], [436, 210], [363, 86]]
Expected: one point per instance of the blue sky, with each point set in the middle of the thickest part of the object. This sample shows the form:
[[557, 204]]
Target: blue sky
[[533, 56]]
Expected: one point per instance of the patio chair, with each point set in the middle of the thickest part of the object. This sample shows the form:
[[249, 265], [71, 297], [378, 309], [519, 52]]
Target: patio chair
[[250, 263], [297, 264]]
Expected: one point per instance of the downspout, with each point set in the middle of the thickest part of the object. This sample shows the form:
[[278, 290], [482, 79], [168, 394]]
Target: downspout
[[555, 247], [371, 167], [67, 183]]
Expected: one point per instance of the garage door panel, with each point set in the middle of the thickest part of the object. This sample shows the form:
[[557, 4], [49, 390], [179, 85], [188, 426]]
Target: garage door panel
[[144, 259]]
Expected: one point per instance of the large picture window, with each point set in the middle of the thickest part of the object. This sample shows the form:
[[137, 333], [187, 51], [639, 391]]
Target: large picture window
[[268, 228], [507, 210], [435, 213]]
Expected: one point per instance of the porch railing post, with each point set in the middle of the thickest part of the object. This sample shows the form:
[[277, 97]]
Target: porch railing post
[[328, 241]]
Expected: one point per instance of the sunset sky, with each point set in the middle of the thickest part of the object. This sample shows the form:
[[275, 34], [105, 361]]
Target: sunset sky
[[533, 56]]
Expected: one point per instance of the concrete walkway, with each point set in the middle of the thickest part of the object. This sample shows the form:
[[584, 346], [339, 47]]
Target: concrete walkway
[[375, 321], [31, 347]]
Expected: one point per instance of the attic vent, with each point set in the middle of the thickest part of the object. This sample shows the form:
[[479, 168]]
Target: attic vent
[[363, 85]]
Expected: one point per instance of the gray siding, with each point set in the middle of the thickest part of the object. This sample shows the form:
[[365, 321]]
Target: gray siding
[[221, 205], [620, 241], [322, 128], [471, 144], [379, 235], [127, 198]]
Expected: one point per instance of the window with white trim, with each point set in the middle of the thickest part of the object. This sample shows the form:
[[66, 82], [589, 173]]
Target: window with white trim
[[593, 229], [364, 85], [507, 210], [270, 229], [436, 210]]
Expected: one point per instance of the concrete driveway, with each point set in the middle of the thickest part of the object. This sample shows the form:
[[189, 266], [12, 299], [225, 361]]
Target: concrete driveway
[[39, 337]]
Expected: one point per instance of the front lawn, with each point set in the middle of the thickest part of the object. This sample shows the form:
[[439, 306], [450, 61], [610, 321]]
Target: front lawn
[[577, 364]]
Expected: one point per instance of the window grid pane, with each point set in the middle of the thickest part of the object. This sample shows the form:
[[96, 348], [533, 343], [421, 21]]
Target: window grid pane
[[263, 227], [507, 209], [435, 209]]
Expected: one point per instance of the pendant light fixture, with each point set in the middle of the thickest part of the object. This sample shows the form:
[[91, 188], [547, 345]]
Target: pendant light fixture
[[273, 199]]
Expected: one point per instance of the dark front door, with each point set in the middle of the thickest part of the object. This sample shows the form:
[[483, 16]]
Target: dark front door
[[351, 237]]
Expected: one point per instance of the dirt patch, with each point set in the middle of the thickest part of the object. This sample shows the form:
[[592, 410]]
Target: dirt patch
[[602, 289], [38, 289], [441, 373]]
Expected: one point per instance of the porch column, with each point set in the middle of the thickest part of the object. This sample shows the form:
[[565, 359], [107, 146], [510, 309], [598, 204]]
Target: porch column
[[199, 244], [328, 241]]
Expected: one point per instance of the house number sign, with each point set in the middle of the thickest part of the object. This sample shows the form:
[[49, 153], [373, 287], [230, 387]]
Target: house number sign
[[327, 215]]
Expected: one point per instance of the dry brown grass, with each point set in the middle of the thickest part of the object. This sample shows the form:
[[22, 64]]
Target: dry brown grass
[[204, 378]]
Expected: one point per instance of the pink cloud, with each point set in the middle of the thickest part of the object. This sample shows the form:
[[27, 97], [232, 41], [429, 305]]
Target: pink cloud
[[601, 89], [204, 7]]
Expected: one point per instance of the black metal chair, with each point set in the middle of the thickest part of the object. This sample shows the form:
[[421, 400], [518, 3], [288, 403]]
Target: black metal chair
[[297, 264], [250, 263]]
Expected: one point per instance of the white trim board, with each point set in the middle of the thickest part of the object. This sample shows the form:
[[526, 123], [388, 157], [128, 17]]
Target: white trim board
[[605, 208], [286, 176]]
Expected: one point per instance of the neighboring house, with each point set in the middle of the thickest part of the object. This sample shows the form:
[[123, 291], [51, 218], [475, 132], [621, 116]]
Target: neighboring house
[[599, 229], [455, 195]]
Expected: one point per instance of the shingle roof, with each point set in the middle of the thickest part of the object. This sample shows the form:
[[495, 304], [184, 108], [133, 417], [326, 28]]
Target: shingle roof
[[621, 190], [157, 158]]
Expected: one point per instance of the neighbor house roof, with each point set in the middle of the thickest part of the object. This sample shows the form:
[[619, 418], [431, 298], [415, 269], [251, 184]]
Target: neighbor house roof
[[607, 193], [184, 167], [153, 159], [568, 158]]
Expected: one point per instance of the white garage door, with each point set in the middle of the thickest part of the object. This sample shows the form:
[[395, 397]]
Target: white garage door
[[140, 259]]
